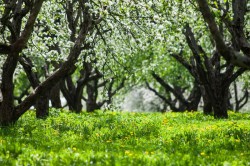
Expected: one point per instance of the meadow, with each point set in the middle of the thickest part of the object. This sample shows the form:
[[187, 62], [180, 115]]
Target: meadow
[[121, 138]]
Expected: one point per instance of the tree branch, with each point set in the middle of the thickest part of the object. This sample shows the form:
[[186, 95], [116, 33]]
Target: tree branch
[[67, 68], [181, 60], [169, 88], [229, 54], [22, 41], [167, 101], [4, 49], [239, 10], [235, 75]]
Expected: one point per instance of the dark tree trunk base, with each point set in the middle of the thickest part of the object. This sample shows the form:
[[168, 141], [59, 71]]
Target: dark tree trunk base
[[42, 107]]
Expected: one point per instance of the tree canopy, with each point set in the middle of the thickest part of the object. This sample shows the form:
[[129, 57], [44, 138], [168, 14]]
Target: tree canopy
[[86, 51]]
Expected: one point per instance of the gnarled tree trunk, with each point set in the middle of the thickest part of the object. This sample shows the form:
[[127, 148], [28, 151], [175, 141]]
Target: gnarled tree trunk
[[42, 106], [207, 103], [220, 105], [55, 97]]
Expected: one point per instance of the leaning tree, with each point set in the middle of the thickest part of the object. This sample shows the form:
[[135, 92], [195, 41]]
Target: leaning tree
[[18, 22], [213, 76], [232, 14], [222, 17], [223, 34], [226, 30]]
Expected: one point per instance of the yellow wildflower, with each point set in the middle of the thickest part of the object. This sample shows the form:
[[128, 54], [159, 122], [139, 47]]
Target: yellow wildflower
[[202, 154], [237, 140], [128, 153]]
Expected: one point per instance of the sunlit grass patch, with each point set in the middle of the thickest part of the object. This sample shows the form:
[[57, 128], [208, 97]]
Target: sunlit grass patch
[[113, 138]]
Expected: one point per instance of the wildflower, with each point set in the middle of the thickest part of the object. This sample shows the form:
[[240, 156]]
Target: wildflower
[[74, 148], [2, 141], [202, 129], [108, 141], [165, 121], [237, 140], [128, 153], [202, 154], [55, 132], [170, 128]]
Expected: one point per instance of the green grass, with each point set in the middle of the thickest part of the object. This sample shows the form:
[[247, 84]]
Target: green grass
[[113, 138]]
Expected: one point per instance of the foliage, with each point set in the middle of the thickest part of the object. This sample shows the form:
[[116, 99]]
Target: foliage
[[113, 138], [124, 39]]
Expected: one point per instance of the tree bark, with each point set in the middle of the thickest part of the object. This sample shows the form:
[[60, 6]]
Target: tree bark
[[220, 104], [7, 105], [207, 108], [194, 98], [42, 106], [55, 96], [240, 102], [92, 92]]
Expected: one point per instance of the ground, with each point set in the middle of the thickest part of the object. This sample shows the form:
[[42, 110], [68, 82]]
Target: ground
[[117, 138]]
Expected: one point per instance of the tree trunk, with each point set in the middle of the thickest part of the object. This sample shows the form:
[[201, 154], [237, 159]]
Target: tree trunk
[[207, 108], [42, 102], [194, 98], [92, 91], [72, 95], [230, 106], [42, 106], [7, 105], [91, 106], [55, 96], [220, 106], [78, 99]]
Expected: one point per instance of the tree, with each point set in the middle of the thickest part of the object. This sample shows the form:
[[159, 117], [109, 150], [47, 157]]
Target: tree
[[82, 20], [179, 103], [214, 76], [18, 38], [107, 86], [205, 64], [53, 45], [12, 18], [240, 102], [42, 103], [239, 51]]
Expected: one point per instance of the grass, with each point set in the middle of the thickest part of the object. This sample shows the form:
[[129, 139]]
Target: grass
[[113, 138]]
